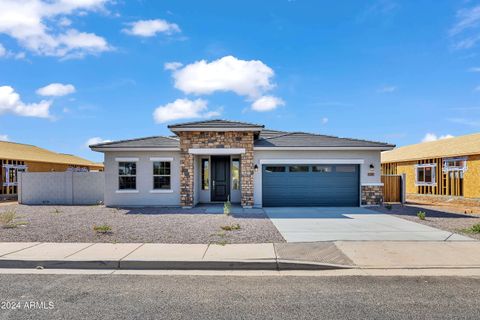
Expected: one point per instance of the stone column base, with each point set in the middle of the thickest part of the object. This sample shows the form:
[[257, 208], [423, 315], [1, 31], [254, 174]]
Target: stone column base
[[372, 195]]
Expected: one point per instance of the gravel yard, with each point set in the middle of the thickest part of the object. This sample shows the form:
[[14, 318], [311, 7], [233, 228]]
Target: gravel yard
[[160, 225], [435, 217]]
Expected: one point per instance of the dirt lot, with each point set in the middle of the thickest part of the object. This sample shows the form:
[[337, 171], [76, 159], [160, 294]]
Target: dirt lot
[[162, 225], [437, 216], [449, 204]]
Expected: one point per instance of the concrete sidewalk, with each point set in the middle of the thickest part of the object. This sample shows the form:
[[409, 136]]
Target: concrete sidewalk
[[262, 256]]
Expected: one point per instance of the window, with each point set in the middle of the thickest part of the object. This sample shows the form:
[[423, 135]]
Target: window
[[425, 174], [275, 169], [127, 175], [298, 169], [454, 164], [205, 175], [11, 174], [161, 175], [345, 169], [235, 174], [321, 168]]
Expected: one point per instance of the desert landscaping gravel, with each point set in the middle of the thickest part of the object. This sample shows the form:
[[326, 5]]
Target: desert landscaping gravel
[[160, 225], [435, 217]]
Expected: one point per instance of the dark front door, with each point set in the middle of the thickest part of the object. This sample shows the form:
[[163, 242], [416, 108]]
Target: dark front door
[[220, 178]]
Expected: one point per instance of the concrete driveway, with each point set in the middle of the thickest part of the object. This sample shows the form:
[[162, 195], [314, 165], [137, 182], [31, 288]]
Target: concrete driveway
[[333, 224]]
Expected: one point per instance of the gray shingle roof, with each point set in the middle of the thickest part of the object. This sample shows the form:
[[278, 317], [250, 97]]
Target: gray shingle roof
[[302, 139], [147, 142], [217, 123]]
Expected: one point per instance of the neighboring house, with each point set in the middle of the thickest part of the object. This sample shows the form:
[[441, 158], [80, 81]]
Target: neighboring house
[[447, 167], [17, 157], [216, 160]]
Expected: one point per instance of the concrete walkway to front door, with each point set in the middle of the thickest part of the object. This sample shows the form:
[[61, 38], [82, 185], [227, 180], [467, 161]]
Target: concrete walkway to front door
[[334, 224]]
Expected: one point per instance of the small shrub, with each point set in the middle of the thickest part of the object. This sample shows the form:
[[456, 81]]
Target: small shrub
[[231, 227], [227, 207], [421, 215], [475, 228], [7, 218], [57, 211], [102, 229], [388, 206]]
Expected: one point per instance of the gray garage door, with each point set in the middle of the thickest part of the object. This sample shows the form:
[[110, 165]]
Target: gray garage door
[[310, 185]]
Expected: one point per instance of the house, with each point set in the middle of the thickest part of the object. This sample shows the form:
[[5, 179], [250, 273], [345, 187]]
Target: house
[[17, 157], [447, 167], [216, 160]]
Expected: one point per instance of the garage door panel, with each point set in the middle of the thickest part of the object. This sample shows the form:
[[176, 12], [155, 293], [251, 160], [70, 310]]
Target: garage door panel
[[311, 188]]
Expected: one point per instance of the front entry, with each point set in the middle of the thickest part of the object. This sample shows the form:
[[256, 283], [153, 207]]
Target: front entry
[[220, 178]]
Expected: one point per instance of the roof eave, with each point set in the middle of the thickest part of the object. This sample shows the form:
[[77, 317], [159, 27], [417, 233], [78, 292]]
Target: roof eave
[[108, 149], [379, 148]]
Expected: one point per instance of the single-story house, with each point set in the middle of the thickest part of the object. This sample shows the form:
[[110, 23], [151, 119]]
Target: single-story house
[[217, 160], [446, 167], [18, 157]]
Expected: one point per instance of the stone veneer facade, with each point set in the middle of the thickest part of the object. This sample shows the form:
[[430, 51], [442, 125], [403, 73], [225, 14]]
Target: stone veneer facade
[[372, 195], [215, 139]]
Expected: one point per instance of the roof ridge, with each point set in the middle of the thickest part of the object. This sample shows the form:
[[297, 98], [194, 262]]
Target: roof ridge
[[438, 140], [212, 120], [127, 140]]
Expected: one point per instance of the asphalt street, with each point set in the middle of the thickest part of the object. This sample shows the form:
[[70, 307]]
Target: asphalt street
[[226, 297]]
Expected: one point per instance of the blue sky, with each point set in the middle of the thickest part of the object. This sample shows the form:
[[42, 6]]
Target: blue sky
[[385, 70]]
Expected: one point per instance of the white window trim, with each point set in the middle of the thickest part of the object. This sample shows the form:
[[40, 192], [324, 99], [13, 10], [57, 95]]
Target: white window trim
[[161, 159], [312, 161], [127, 191], [434, 174], [161, 191], [127, 159], [160, 175], [448, 169], [7, 168]]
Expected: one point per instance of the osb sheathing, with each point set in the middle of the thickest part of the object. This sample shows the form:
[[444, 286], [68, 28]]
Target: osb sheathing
[[408, 168], [471, 178]]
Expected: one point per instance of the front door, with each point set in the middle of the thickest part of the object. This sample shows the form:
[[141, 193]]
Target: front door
[[220, 178]]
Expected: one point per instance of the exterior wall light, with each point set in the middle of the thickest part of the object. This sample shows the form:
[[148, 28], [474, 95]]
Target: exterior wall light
[[255, 167]]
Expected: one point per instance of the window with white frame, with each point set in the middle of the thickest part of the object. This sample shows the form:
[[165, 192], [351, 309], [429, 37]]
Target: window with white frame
[[455, 164], [127, 175], [425, 175], [11, 174], [161, 175]]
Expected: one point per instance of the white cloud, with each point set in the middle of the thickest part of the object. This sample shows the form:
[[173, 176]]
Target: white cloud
[[10, 102], [183, 109], [246, 78], [387, 89], [56, 90], [267, 103], [34, 25], [172, 65], [324, 120], [3, 51], [465, 31], [150, 28], [474, 69], [4, 137], [433, 137], [95, 140]]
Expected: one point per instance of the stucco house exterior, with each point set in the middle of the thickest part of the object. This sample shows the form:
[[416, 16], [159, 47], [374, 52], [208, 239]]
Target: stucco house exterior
[[216, 160]]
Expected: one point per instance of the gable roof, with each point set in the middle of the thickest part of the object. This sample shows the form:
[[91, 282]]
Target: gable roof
[[445, 148], [146, 142], [305, 140], [27, 152], [215, 124]]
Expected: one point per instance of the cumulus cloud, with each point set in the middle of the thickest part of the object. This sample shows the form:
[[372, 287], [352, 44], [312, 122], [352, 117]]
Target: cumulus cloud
[[36, 27], [95, 140], [433, 137], [324, 120], [267, 103], [56, 90], [246, 78], [150, 28], [183, 109], [10, 102], [4, 137]]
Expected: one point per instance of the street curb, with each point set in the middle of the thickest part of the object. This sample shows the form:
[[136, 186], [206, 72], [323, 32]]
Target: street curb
[[169, 265]]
